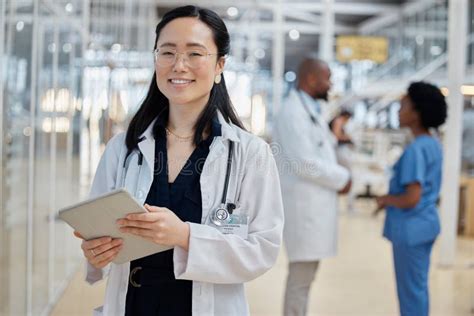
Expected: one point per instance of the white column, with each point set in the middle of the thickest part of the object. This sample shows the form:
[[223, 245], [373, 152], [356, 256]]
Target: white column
[[3, 62], [31, 158], [252, 45], [84, 161], [70, 244], [3, 245], [85, 25], [278, 55], [457, 39], [142, 28], [127, 27], [326, 39], [52, 168], [153, 20]]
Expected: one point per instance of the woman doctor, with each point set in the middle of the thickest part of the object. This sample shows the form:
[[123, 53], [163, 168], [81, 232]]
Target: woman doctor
[[187, 157]]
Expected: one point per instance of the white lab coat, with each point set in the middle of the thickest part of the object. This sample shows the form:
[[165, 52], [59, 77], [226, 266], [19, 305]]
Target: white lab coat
[[310, 178], [217, 264]]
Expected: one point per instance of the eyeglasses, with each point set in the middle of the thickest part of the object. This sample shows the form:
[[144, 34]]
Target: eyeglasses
[[194, 58]]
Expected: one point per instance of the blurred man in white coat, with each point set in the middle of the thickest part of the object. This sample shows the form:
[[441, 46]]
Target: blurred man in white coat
[[311, 179]]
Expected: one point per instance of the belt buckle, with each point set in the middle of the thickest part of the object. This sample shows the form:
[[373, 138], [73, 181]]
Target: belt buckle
[[132, 273]]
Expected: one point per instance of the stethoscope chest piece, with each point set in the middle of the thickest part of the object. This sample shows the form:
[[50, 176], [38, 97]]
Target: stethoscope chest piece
[[220, 216]]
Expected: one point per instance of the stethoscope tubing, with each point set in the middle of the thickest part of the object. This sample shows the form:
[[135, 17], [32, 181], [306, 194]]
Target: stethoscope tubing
[[305, 106], [228, 208]]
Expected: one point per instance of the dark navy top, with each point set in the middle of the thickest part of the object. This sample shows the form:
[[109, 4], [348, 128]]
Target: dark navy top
[[159, 292]]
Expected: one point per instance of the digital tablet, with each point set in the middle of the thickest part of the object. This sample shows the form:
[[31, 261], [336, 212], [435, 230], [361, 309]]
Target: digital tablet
[[98, 217]]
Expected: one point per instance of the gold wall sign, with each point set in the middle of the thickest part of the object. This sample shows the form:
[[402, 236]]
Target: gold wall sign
[[350, 48]]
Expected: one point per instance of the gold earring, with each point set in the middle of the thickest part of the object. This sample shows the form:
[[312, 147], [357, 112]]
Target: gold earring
[[218, 79]]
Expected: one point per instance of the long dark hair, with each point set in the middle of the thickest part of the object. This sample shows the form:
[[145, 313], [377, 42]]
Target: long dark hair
[[156, 104]]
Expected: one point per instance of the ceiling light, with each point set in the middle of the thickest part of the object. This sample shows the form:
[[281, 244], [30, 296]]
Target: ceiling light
[[259, 53], [294, 35], [232, 11], [20, 25], [290, 76], [69, 8]]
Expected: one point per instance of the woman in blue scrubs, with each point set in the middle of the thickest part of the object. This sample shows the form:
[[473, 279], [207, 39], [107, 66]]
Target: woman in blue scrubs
[[412, 222]]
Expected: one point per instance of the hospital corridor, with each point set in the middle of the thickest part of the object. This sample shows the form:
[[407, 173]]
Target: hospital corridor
[[359, 281]]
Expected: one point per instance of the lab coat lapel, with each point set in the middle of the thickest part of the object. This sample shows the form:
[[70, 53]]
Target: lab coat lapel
[[327, 133], [215, 150], [147, 146], [217, 147]]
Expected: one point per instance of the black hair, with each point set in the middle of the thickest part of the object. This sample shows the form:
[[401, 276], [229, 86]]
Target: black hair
[[345, 113], [429, 102], [156, 104]]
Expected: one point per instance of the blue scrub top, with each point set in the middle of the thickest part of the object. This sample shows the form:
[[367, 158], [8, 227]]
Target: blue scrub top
[[421, 162]]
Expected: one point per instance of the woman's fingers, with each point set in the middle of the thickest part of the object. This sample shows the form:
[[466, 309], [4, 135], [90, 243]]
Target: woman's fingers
[[105, 247], [102, 264], [151, 216], [94, 243], [138, 231], [154, 209], [134, 223], [78, 235], [101, 251], [146, 217], [107, 254]]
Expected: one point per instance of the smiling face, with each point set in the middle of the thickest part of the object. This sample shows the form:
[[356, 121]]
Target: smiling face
[[181, 84]]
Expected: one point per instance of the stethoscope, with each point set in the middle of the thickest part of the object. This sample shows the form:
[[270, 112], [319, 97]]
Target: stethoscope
[[126, 162], [222, 214], [311, 116], [303, 102], [219, 216]]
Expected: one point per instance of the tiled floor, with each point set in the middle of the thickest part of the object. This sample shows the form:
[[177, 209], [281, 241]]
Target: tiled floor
[[358, 282]]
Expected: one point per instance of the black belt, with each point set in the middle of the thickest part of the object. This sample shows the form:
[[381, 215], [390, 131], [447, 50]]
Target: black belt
[[150, 276]]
